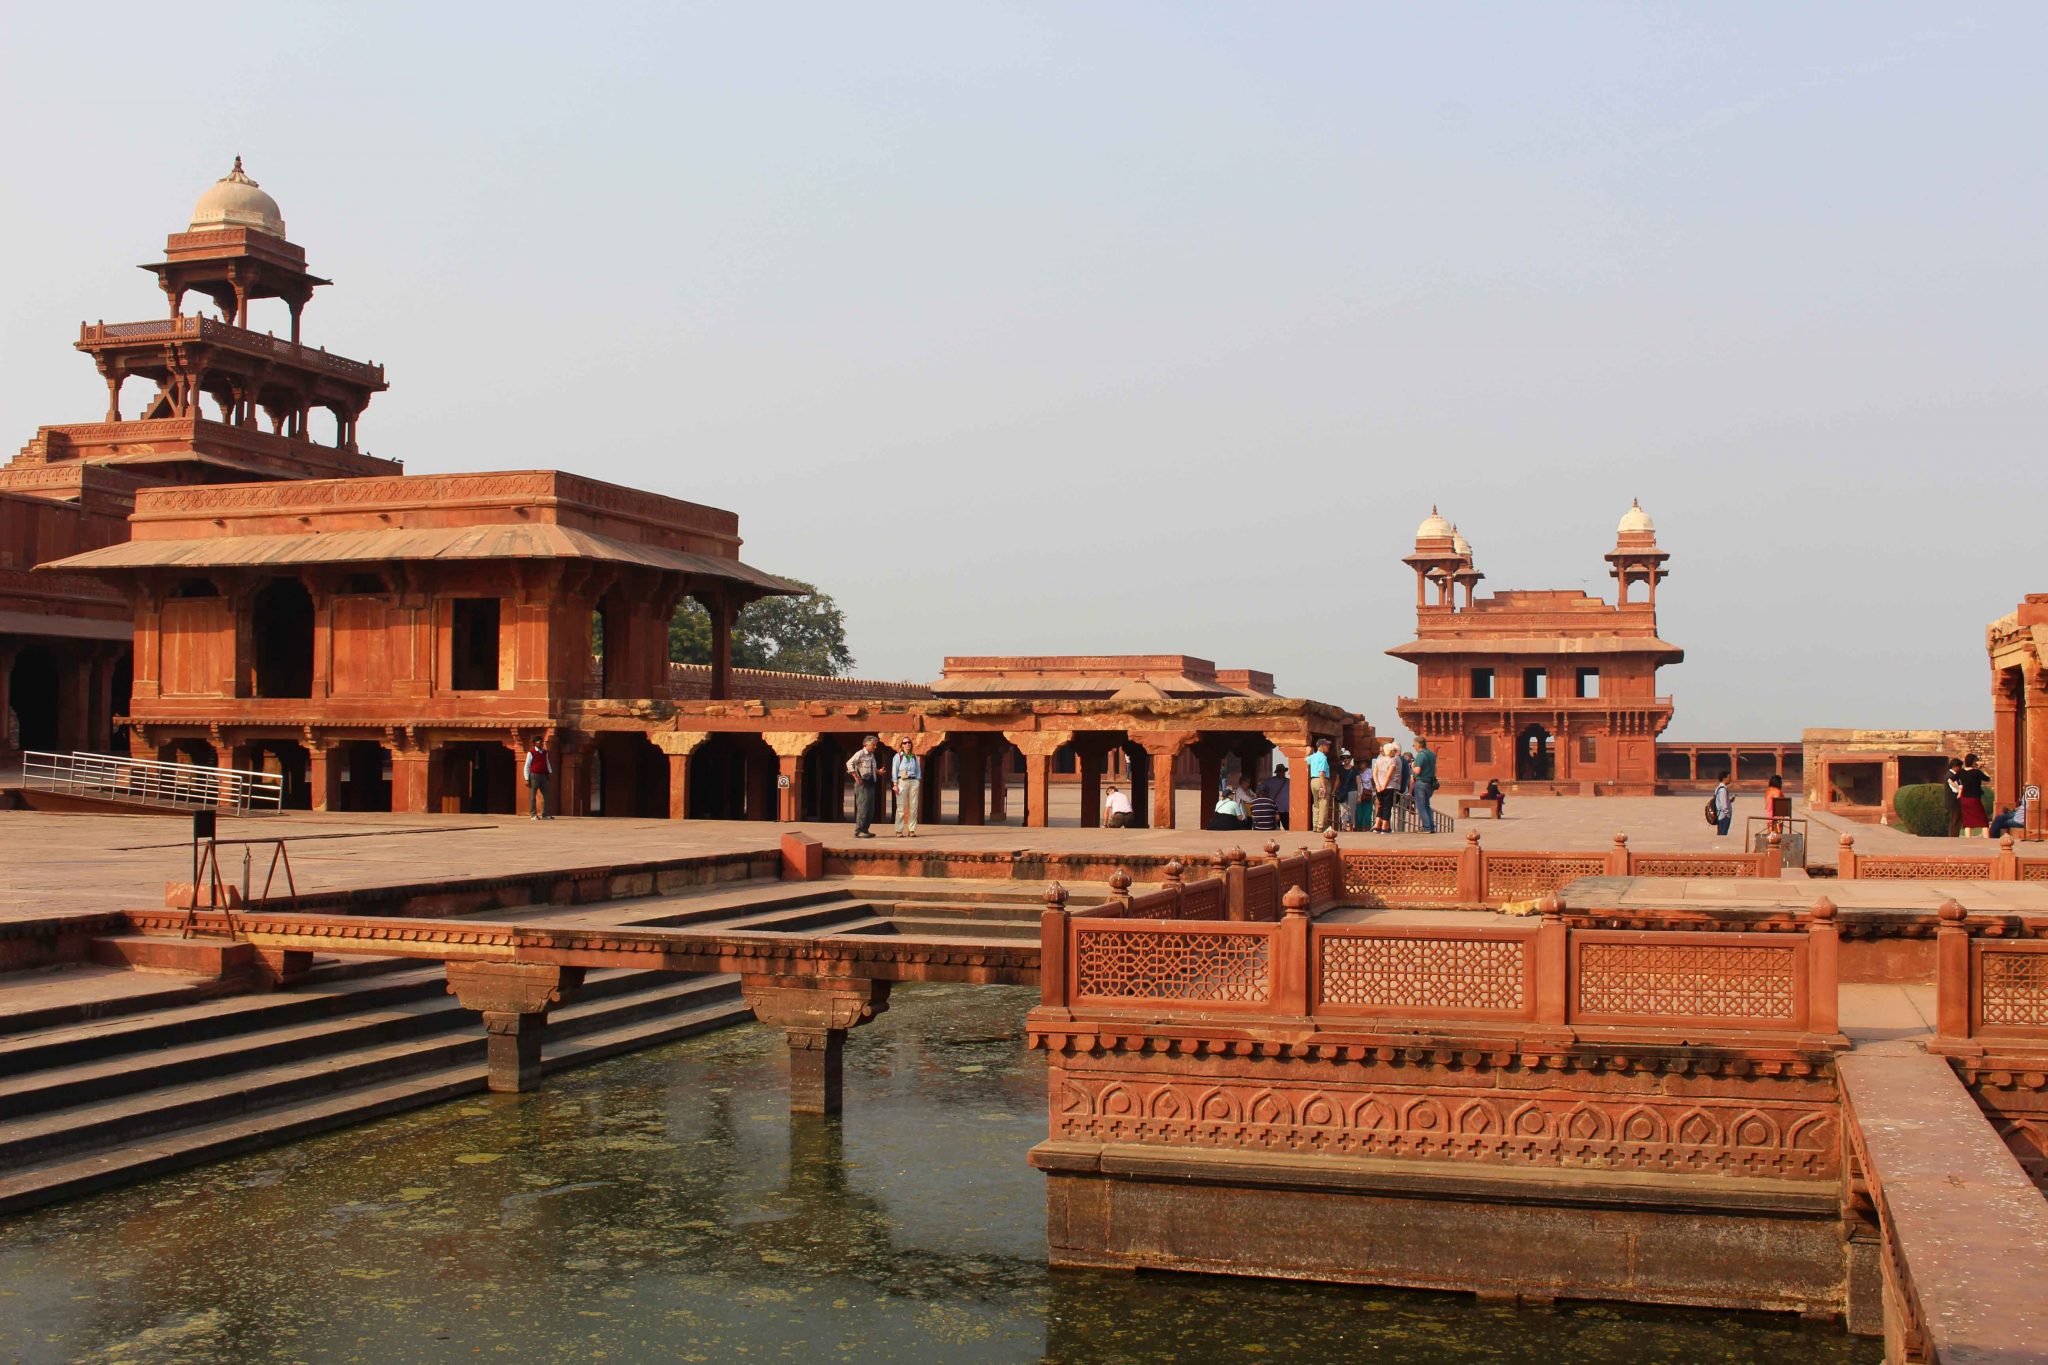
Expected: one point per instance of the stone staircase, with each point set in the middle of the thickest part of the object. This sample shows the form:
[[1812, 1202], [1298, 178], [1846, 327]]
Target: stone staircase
[[150, 1070]]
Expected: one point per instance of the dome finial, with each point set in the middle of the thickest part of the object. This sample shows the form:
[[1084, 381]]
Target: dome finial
[[236, 201]]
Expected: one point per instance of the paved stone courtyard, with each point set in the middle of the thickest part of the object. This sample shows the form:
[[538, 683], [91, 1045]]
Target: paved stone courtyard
[[94, 863]]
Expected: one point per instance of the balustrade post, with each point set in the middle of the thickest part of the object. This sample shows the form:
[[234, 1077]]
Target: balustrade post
[[1177, 884], [1233, 884], [1552, 955], [1272, 851], [1618, 859], [1053, 934], [1845, 859], [1952, 974], [1291, 956], [1471, 870], [2005, 866], [1823, 980], [1774, 855], [1120, 891]]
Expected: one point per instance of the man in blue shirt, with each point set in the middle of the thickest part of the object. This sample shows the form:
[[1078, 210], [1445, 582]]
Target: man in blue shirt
[[1319, 786], [906, 777], [1423, 783]]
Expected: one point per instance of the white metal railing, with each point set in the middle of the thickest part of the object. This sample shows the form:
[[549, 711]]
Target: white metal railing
[[148, 782]]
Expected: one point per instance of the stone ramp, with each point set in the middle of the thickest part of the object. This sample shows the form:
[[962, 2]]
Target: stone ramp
[[1966, 1232]]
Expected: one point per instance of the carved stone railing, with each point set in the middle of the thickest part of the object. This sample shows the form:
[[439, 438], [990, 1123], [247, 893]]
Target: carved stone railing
[[1557, 980], [1474, 876], [92, 335], [2001, 864]]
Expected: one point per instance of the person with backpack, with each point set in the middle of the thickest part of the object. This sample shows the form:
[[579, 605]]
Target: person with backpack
[[1721, 806]]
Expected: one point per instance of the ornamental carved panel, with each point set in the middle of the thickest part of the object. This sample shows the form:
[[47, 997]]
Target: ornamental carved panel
[[2034, 870], [1424, 974], [1393, 878], [1694, 981], [1126, 964], [2012, 989], [1735, 1136], [1205, 899], [1704, 865], [1920, 870], [1512, 877]]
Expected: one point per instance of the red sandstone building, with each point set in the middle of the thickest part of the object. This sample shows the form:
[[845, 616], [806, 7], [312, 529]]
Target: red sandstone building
[[1544, 691], [390, 642], [224, 403], [2018, 645]]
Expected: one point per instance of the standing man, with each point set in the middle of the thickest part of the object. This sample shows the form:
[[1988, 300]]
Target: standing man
[[866, 770], [1424, 785], [1724, 805], [537, 770], [1319, 786], [906, 776]]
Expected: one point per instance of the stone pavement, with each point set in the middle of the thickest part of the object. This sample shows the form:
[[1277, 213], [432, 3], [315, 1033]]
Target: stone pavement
[[93, 863]]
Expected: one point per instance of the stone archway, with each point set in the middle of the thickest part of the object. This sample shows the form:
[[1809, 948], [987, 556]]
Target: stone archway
[[1535, 760], [34, 693]]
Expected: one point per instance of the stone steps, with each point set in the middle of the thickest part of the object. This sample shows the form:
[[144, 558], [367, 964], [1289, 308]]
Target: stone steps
[[363, 984], [304, 1062], [63, 1177]]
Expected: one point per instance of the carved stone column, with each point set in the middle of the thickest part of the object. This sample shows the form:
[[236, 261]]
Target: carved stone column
[[678, 745], [789, 760], [514, 999], [814, 1015], [1038, 747], [1163, 748]]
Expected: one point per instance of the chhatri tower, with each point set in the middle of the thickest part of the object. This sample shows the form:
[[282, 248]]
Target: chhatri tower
[[223, 401]]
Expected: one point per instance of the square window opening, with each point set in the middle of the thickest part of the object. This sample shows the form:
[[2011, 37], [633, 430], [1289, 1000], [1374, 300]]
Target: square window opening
[[1482, 683]]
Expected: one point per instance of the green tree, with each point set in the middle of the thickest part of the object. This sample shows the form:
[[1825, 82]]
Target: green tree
[[804, 634]]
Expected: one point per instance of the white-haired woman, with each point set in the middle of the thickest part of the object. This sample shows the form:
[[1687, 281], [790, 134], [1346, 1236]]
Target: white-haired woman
[[1386, 779]]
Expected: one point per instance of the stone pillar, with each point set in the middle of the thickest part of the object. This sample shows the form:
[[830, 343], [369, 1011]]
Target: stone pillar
[[998, 781], [7, 654], [1038, 747], [678, 745], [1138, 772], [1211, 761], [814, 1015], [411, 780], [1163, 750], [319, 781], [1089, 758], [721, 647], [789, 771], [973, 756], [1298, 809], [2034, 765], [514, 999]]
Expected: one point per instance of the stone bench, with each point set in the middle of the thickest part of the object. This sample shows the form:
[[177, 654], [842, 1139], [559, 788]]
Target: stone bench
[[1468, 804]]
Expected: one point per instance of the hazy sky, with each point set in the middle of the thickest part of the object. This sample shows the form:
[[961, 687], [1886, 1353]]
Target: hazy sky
[[1121, 327]]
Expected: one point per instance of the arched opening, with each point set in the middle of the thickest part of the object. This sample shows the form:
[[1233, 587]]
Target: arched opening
[[32, 698], [288, 761], [629, 776], [359, 776], [281, 634], [196, 587], [475, 777], [732, 777], [825, 783], [1533, 757]]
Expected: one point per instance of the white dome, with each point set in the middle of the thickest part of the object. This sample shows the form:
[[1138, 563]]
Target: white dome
[[1636, 519], [236, 201], [1433, 527], [1459, 543]]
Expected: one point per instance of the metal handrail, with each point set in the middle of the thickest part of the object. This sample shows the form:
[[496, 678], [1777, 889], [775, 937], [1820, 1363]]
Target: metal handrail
[[152, 782]]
